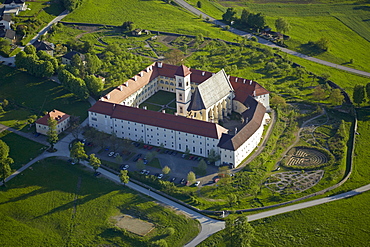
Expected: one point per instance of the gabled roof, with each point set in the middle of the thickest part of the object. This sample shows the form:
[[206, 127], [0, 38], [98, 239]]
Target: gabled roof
[[253, 118], [10, 34], [183, 71], [43, 45], [243, 88], [159, 119], [7, 18], [70, 54], [211, 91], [57, 115]]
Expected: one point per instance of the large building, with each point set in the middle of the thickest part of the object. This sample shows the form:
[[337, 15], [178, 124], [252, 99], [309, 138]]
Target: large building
[[203, 99], [63, 122]]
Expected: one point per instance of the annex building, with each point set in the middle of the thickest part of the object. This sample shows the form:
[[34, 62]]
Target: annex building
[[203, 99]]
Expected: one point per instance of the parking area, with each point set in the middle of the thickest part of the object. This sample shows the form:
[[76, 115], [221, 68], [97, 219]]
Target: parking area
[[179, 163]]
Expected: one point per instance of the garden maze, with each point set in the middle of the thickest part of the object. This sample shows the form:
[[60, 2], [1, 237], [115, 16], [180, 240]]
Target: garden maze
[[306, 157]]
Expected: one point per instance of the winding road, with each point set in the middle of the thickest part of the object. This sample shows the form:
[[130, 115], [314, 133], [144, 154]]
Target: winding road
[[197, 12]]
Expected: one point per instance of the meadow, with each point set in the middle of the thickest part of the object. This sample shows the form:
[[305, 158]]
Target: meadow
[[57, 204], [29, 95], [18, 152], [345, 23], [153, 15]]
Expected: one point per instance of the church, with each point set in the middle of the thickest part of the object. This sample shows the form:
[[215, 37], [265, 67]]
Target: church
[[204, 102]]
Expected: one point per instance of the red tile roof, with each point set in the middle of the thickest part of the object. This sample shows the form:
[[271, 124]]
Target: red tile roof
[[243, 88], [159, 119], [57, 115], [183, 71]]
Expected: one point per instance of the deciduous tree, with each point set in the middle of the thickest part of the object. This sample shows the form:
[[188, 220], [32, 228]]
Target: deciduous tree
[[166, 170], [191, 177], [123, 177], [94, 161], [239, 232], [78, 151], [336, 97], [52, 133], [358, 94], [282, 25], [5, 161]]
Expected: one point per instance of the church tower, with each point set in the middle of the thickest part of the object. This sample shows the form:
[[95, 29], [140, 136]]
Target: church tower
[[183, 90]]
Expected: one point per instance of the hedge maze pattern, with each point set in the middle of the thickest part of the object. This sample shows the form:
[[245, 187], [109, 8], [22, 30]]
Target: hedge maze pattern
[[307, 157]]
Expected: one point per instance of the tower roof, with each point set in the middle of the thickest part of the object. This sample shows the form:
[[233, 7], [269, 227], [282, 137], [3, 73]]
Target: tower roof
[[183, 71]]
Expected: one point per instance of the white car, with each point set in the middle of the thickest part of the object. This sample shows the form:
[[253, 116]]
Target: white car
[[197, 183], [110, 154], [160, 176], [115, 155]]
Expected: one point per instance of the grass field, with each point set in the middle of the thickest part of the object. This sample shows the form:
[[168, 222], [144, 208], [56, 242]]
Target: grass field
[[154, 15], [345, 23], [18, 152], [30, 95], [57, 204]]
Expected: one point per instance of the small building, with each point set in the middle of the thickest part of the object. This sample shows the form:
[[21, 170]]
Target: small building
[[67, 58], [44, 46], [14, 6], [63, 122], [6, 21], [7, 34]]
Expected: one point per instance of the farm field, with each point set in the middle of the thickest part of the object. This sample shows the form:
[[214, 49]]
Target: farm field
[[29, 95], [345, 23], [57, 204], [153, 15]]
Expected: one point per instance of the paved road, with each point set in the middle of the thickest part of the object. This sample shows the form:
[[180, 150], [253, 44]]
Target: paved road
[[47, 27], [309, 203], [268, 43]]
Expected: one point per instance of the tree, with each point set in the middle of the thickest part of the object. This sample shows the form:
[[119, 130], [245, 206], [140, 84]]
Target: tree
[[93, 63], [358, 94], [94, 85], [238, 231], [229, 16], [199, 4], [202, 165], [78, 151], [232, 199], [5, 45], [30, 50], [140, 164], [94, 161], [323, 44], [123, 176], [118, 159], [5, 161], [128, 26], [319, 93], [367, 91], [244, 17], [52, 133], [166, 170], [191, 177], [336, 97], [282, 25], [278, 101], [175, 57], [213, 156]]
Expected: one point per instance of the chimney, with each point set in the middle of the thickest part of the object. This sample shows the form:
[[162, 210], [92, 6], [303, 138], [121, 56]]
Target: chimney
[[203, 73], [135, 78], [236, 79], [126, 83], [144, 107], [141, 73], [114, 105], [163, 111], [236, 130], [250, 82], [108, 96], [176, 114], [254, 93], [121, 88], [159, 65], [244, 81], [102, 99]]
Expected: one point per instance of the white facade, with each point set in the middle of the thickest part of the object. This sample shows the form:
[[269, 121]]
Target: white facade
[[43, 129]]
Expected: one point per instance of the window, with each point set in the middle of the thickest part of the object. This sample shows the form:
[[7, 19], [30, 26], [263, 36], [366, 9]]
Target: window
[[193, 149], [200, 151], [180, 109], [180, 84], [179, 146], [94, 119], [180, 96]]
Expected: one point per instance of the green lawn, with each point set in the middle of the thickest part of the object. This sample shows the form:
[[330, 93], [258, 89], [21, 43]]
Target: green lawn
[[57, 204], [21, 149], [345, 23], [155, 15], [30, 95]]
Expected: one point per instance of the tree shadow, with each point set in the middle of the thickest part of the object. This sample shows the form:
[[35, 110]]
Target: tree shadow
[[309, 50], [363, 114]]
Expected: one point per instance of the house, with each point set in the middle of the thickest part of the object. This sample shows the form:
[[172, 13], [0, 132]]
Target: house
[[6, 21], [14, 6], [63, 122], [44, 46], [203, 99], [7, 34], [66, 58]]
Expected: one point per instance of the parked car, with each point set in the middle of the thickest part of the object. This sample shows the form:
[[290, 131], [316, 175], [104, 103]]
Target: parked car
[[97, 174], [124, 167], [197, 183], [145, 146], [174, 153], [150, 147], [182, 181], [147, 172], [172, 179], [143, 171], [115, 155], [137, 157], [110, 154], [160, 176]]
